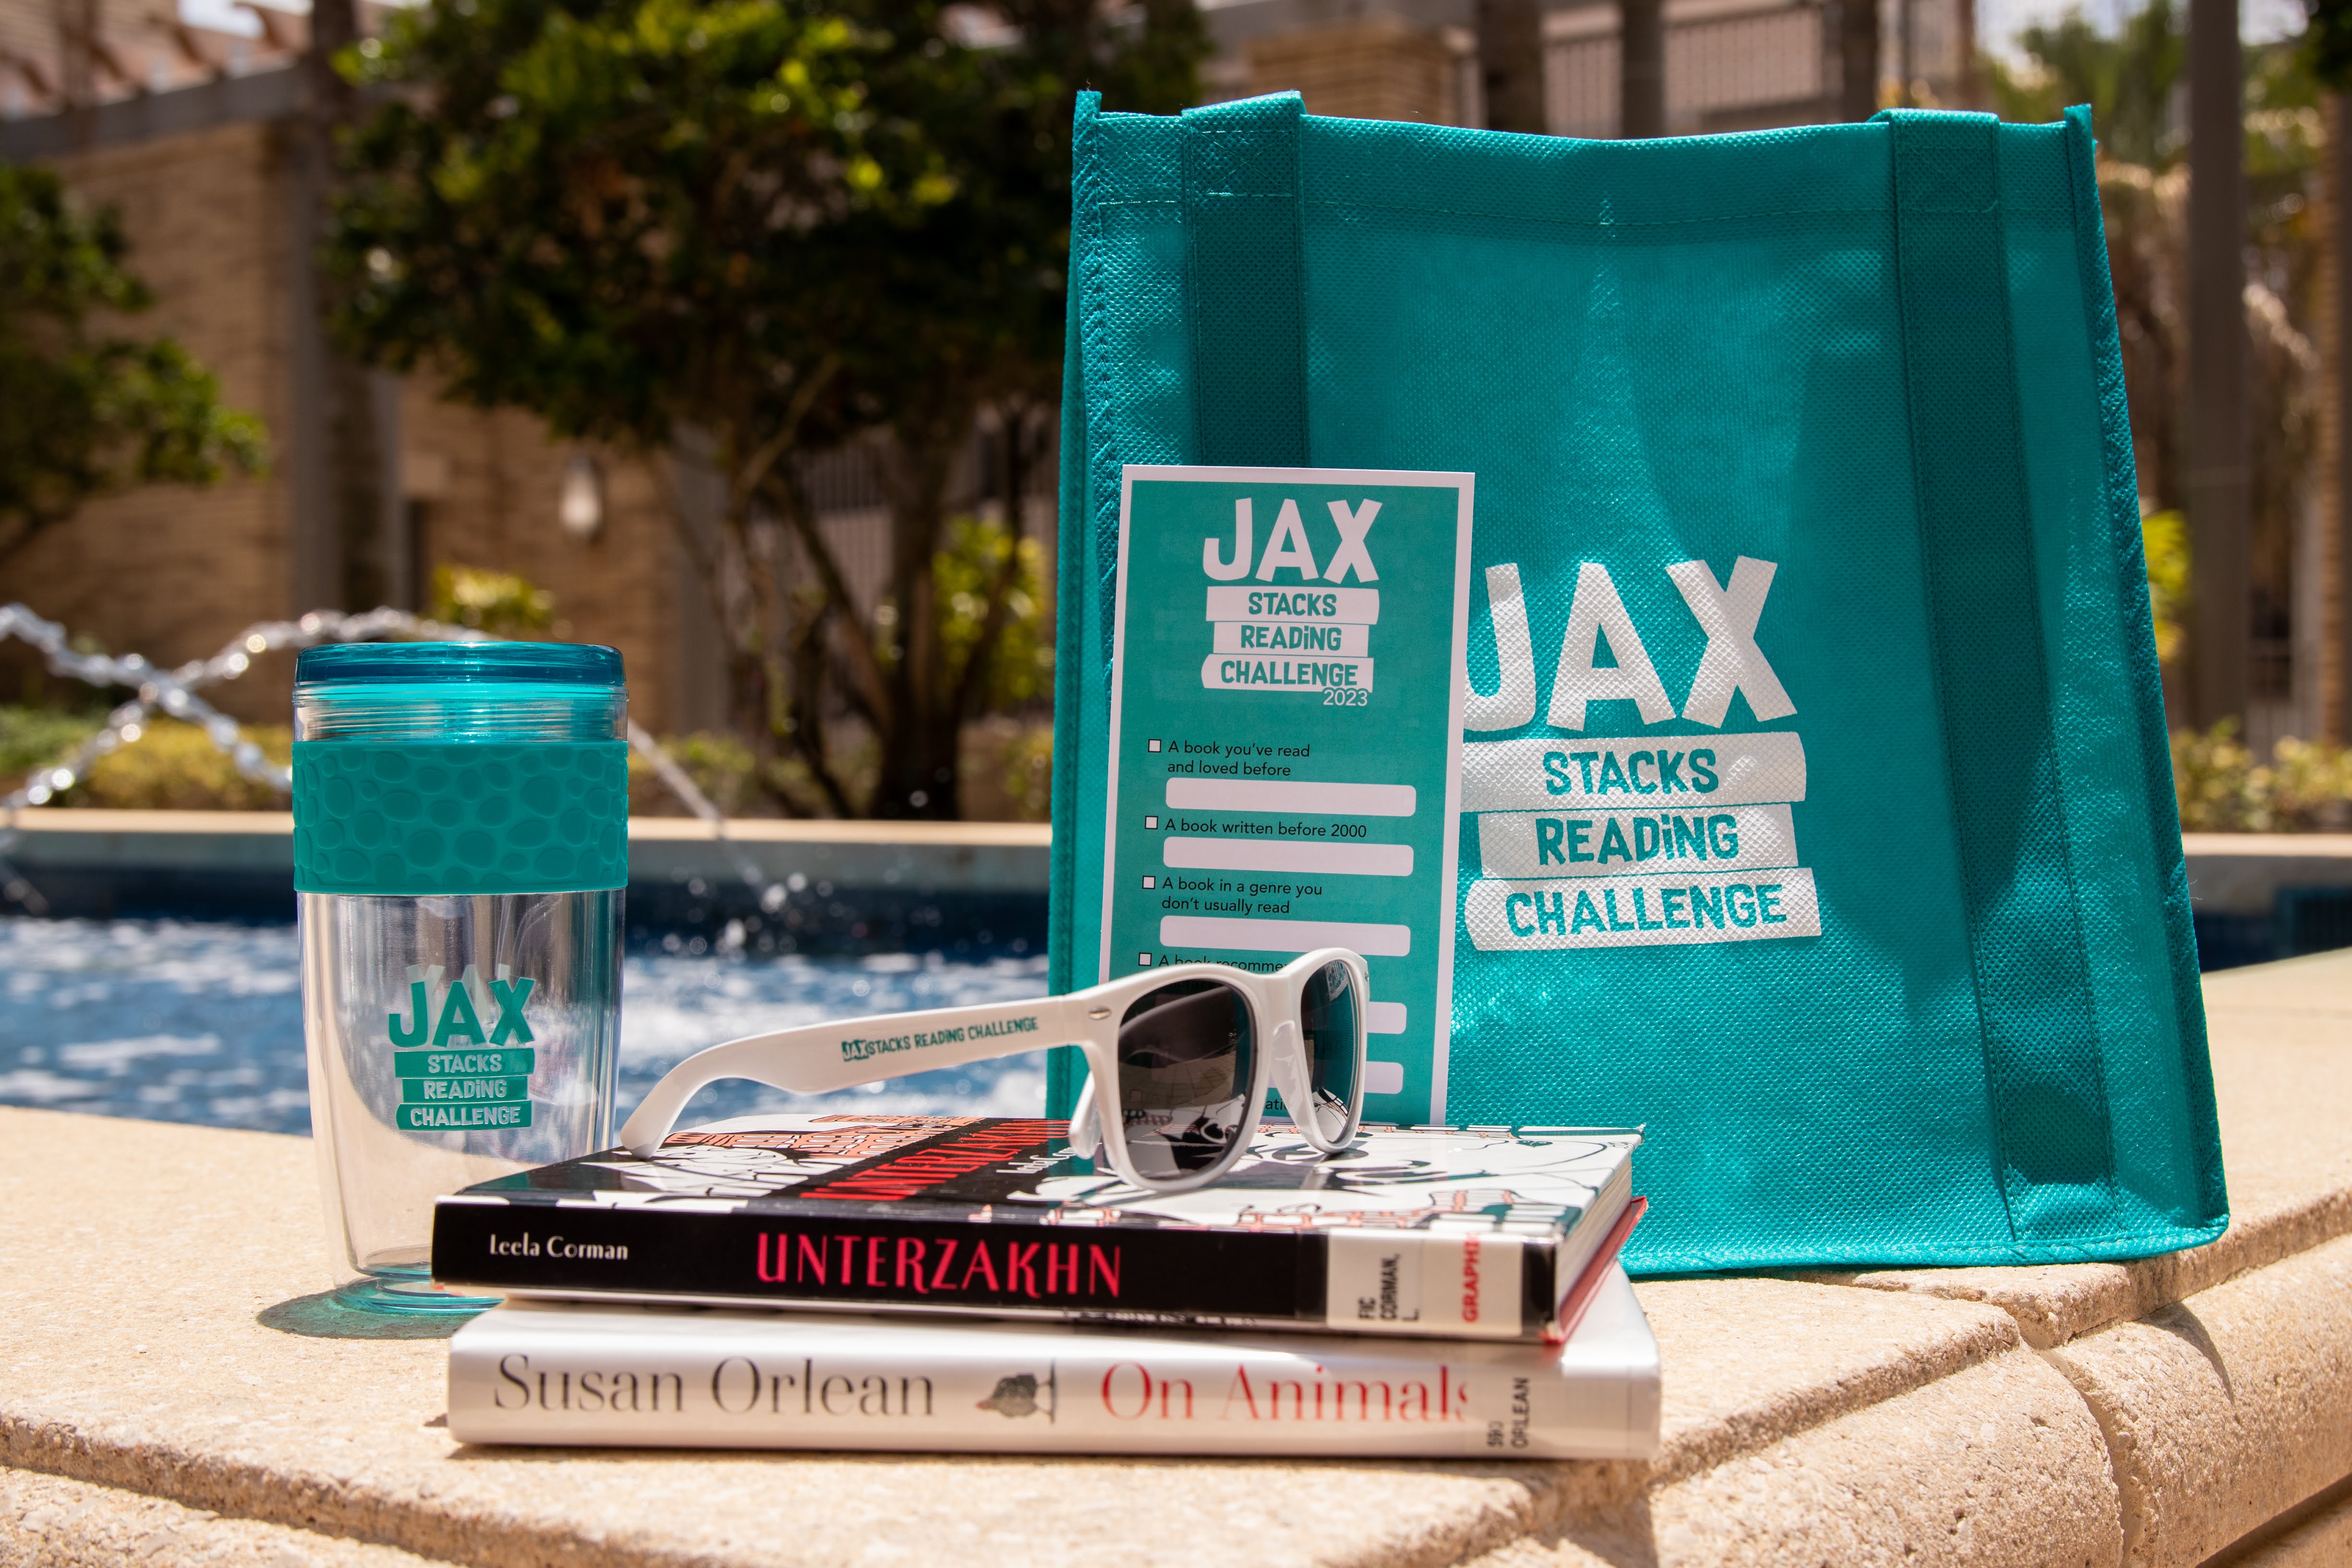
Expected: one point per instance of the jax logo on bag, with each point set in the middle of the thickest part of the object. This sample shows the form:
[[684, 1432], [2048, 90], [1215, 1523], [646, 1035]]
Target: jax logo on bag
[[463, 1053], [1633, 841]]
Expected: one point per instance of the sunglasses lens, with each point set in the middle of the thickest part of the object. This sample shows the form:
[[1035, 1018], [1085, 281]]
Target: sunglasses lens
[[1187, 1057], [1331, 1017]]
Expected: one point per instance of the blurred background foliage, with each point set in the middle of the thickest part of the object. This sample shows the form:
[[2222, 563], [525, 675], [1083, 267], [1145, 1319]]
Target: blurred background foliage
[[92, 408], [502, 604], [760, 234], [768, 233]]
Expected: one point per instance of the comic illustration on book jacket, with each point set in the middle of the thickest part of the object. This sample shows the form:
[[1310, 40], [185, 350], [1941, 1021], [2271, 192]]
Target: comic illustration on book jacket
[[1530, 1181]]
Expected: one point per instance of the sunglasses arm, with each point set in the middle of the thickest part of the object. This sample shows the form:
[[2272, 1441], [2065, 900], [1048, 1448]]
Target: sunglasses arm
[[819, 1057]]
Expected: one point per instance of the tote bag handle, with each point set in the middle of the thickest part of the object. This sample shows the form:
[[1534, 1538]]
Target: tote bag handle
[[1245, 282], [2044, 1075]]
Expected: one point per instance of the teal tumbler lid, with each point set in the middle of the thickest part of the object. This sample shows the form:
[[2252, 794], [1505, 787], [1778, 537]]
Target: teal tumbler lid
[[440, 663]]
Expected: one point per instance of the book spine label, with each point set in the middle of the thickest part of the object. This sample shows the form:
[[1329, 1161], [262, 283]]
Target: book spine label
[[929, 1392], [1427, 1283], [1444, 1284]]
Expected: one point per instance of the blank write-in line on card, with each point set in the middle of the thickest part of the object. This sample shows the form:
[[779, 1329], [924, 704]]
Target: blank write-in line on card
[[1187, 853], [1305, 795], [1242, 934]]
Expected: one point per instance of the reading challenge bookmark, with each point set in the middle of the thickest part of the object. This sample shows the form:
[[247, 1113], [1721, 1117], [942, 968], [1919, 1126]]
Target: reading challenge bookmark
[[1286, 718]]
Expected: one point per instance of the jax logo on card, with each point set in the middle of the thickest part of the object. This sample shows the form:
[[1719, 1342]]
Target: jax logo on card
[[1631, 841], [1290, 626], [463, 1053]]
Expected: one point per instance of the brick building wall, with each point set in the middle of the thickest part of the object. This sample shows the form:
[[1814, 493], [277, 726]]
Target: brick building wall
[[1382, 69], [171, 571], [175, 572], [484, 488]]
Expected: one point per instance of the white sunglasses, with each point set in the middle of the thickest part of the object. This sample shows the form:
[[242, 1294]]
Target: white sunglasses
[[1184, 1054]]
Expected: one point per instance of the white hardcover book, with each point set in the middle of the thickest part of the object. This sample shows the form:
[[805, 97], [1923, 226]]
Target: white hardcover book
[[564, 1373]]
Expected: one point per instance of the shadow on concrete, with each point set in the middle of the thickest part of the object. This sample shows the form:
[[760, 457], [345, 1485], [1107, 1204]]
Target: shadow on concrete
[[2177, 1320], [321, 1317]]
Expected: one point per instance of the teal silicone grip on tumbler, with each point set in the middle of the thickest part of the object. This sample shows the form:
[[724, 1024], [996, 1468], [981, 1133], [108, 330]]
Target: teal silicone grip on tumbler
[[424, 816], [406, 783]]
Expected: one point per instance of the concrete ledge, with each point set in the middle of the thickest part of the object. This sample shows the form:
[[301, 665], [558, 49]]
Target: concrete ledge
[[47, 1522], [2235, 875], [2283, 1087], [152, 1277], [885, 886], [939, 856], [2241, 873], [2227, 1409], [979, 856], [1998, 1466], [2317, 1535], [212, 1407]]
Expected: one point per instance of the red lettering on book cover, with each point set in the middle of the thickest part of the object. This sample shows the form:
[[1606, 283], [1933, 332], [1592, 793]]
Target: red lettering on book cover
[[922, 1265], [1324, 1398], [936, 1163]]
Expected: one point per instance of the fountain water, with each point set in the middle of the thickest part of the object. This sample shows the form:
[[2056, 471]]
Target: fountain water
[[172, 692], [189, 1021]]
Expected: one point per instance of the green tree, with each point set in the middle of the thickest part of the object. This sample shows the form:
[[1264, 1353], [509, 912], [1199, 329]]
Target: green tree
[[2129, 76], [971, 318], [2126, 77], [754, 231], [2328, 42], [90, 408]]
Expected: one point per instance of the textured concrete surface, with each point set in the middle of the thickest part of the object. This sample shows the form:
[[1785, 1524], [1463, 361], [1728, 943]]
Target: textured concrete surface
[[2227, 1409], [160, 1354], [47, 1522], [2322, 1539], [141, 1259], [2281, 1040], [1998, 1466]]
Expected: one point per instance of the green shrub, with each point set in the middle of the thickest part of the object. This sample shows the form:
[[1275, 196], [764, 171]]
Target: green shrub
[[36, 737], [719, 765], [1023, 771], [499, 602], [2164, 538], [1021, 673], [175, 767], [2306, 787]]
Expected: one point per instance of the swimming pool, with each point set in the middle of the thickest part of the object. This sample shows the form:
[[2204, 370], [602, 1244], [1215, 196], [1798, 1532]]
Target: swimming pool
[[199, 1021]]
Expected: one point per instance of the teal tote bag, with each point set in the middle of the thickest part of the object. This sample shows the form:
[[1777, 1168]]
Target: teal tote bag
[[1806, 537]]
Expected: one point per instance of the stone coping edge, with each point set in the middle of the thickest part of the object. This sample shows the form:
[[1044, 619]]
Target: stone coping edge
[[2279, 845], [2053, 1303], [53, 1523], [1549, 1494], [427, 1528]]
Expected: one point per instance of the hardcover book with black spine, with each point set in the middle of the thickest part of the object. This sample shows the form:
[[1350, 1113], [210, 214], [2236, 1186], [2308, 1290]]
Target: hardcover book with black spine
[[1477, 1233]]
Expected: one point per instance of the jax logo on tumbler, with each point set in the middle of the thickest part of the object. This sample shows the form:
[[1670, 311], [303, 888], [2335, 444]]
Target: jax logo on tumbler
[[1635, 841], [454, 1074]]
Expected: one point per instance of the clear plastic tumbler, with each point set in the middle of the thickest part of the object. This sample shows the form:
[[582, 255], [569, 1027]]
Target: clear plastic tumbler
[[460, 851]]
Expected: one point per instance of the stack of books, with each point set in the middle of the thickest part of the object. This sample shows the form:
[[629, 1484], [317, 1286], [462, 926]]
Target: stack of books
[[952, 1283]]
